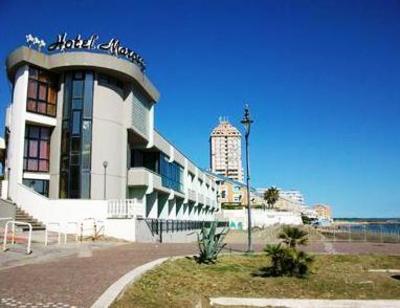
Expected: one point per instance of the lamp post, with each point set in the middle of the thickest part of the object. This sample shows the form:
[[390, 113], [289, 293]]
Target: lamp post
[[105, 164], [247, 121]]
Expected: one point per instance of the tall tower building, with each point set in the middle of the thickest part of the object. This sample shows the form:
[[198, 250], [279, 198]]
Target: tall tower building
[[226, 151]]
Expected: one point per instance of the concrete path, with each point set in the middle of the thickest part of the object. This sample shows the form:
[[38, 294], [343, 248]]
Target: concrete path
[[77, 281]]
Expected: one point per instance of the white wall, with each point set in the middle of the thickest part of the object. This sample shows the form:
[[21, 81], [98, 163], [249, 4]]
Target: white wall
[[261, 218]]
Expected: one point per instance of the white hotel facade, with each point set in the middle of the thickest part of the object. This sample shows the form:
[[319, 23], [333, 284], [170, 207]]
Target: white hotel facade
[[81, 143]]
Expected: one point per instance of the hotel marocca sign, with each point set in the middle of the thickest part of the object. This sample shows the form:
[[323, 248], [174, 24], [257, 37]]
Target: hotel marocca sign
[[113, 47]]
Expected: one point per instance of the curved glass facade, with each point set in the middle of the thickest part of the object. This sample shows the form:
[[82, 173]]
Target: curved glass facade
[[76, 139]]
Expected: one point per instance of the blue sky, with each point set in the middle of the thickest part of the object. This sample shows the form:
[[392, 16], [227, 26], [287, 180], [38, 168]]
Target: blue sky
[[321, 78]]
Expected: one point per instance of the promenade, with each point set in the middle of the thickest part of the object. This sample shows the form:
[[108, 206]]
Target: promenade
[[76, 278]]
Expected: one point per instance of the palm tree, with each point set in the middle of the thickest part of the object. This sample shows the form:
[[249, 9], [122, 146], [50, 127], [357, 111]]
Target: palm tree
[[293, 236], [271, 195]]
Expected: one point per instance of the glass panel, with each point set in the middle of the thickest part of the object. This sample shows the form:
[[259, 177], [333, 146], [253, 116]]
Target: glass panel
[[77, 103], [67, 95], [77, 88], [32, 89], [32, 165], [51, 110], [75, 144], [43, 165], [64, 141], [44, 150], [86, 144], [85, 185], [44, 133], [76, 123], [78, 75], [33, 72], [33, 148], [74, 181], [64, 163], [42, 91], [88, 100], [43, 76], [31, 105], [52, 95], [74, 159], [63, 185], [41, 107]]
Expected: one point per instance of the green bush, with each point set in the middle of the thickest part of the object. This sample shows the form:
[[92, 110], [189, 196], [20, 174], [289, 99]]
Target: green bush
[[293, 236], [287, 261], [210, 243]]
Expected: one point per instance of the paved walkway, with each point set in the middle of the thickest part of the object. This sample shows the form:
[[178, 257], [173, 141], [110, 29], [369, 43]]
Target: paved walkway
[[79, 279]]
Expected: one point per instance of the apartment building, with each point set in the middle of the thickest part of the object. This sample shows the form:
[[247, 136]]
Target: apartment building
[[226, 151]]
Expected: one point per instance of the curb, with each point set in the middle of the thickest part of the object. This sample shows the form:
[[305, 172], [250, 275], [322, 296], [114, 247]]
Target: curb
[[302, 303], [117, 288]]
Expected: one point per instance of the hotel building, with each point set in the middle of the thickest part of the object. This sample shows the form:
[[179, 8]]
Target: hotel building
[[80, 143], [226, 151]]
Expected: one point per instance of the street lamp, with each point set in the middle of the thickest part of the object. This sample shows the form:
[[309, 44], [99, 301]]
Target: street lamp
[[247, 125], [105, 164]]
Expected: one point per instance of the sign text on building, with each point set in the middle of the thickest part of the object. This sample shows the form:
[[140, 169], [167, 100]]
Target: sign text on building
[[113, 46]]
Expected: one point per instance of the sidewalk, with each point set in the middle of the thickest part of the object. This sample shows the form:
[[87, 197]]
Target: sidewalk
[[80, 279], [78, 275]]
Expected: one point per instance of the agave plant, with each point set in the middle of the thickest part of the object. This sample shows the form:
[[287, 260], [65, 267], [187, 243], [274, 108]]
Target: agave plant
[[210, 243], [293, 236]]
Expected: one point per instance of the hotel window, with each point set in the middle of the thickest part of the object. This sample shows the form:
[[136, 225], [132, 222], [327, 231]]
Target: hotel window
[[36, 149], [76, 136], [42, 92], [105, 80], [40, 186], [171, 174]]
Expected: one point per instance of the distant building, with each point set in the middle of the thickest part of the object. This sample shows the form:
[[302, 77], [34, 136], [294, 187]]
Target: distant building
[[234, 193], [323, 211], [289, 200], [293, 195], [226, 151]]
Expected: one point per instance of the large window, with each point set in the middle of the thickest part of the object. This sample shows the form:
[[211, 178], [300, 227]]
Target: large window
[[42, 92], [76, 139], [40, 186], [171, 174], [36, 149]]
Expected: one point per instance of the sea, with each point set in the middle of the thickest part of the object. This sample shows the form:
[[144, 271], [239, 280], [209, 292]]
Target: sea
[[384, 225]]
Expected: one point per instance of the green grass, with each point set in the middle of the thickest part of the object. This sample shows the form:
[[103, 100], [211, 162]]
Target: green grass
[[183, 282]]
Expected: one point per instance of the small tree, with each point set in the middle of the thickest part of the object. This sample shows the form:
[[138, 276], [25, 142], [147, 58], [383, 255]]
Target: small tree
[[293, 236], [210, 243], [271, 196], [286, 260]]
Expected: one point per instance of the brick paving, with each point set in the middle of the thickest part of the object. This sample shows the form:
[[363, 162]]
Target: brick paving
[[78, 280]]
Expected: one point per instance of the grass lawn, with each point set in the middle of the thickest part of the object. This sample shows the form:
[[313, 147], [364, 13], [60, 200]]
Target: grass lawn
[[183, 282]]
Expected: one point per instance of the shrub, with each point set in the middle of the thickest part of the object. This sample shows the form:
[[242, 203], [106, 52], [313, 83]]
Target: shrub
[[293, 236], [287, 261], [210, 243]]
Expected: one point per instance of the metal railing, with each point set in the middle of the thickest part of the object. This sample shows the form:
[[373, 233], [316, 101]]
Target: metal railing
[[58, 231], [123, 208], [159, 226], [17, 223], [361, 233]]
